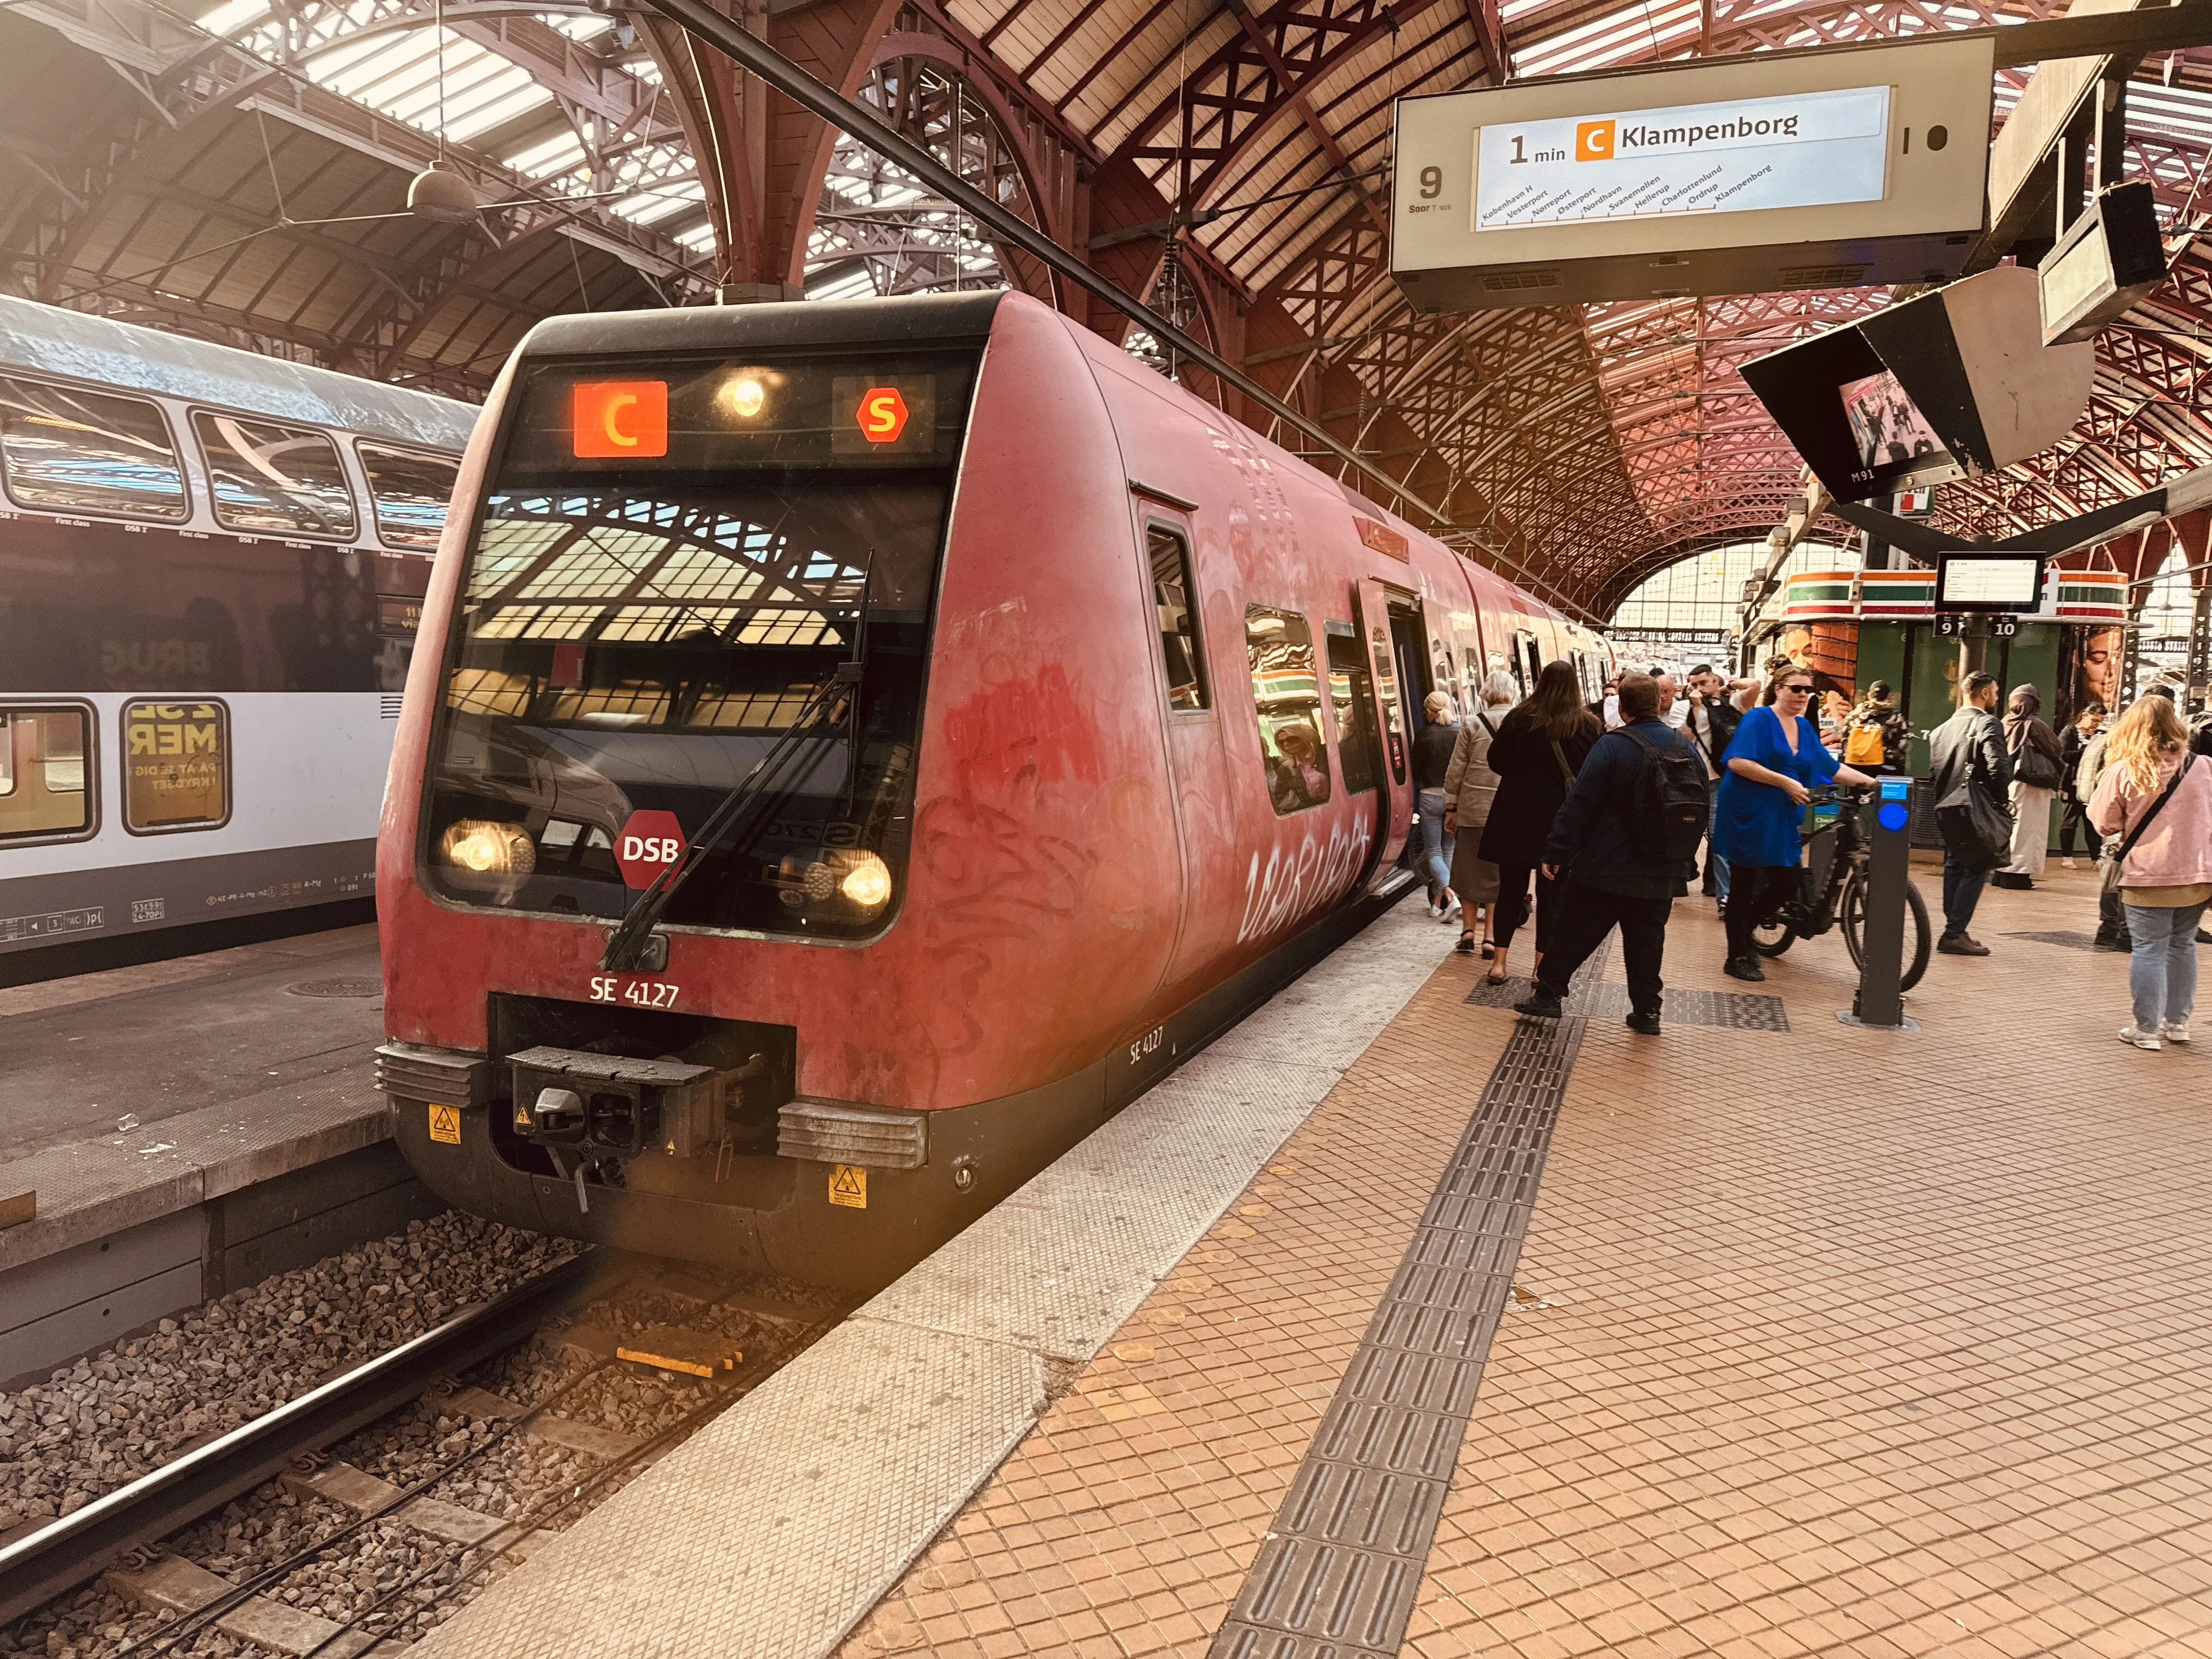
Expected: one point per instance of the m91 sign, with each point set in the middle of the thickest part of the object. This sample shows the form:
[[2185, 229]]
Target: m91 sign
[[649, 843]]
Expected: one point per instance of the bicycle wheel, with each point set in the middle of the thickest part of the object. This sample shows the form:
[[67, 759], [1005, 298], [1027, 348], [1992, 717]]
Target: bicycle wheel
[[1771, 938], [1917, 934]]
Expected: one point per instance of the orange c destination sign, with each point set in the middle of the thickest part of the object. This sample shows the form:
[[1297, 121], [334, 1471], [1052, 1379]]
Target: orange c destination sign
[[614, 418]]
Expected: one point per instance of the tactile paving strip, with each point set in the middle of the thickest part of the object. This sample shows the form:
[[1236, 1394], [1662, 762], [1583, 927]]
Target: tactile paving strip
[[2069, 941], [1337, 1575], [1738, 1011]]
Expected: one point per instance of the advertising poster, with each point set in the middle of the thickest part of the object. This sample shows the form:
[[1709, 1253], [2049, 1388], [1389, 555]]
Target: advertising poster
[[176, 765]]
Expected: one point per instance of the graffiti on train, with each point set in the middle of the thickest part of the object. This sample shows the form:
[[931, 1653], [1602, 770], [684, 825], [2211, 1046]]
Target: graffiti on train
[[1294, 882]]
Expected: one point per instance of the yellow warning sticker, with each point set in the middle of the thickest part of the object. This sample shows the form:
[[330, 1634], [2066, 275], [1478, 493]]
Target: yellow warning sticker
[[446, 1125], [848, 1185]]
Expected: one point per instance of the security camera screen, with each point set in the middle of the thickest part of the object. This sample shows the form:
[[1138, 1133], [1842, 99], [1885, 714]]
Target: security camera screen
[[1884, 425]]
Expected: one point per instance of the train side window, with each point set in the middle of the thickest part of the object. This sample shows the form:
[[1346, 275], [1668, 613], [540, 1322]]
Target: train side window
[[1286, 691], [1180, 648], [280, 480], [176, 765], [88, 452], [46, 790], [409, 491], [1353, 695]]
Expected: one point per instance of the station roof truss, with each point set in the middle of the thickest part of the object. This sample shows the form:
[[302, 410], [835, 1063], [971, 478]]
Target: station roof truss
[[239, 172]]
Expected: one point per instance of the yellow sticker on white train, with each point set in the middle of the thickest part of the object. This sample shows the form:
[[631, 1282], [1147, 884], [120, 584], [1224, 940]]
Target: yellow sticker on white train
[[446, 1125], [848, 1185]]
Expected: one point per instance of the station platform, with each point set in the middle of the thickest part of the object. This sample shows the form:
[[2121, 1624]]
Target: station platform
[[177, 1129], [1791, 1338]]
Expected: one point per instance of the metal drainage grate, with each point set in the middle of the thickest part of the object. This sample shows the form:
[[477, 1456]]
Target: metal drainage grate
[[1336, 1577], [2067, 941], [1735, 1010], [338, 987]]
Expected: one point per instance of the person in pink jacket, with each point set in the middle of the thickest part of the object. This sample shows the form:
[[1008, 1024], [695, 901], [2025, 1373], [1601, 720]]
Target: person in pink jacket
[[2153, 790]]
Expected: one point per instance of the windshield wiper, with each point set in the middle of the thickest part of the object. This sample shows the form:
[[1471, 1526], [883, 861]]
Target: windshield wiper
[[626, 945]]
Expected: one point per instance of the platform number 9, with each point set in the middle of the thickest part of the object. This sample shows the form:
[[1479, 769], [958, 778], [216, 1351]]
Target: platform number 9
[[1433, 183]]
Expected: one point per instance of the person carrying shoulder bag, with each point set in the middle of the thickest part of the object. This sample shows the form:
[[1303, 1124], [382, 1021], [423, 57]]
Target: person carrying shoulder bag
[[2154, 805], [2038, 769], [1969, 771]]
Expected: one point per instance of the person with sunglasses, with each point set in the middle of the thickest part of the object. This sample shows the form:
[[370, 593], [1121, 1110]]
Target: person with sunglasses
[[1772, 765]]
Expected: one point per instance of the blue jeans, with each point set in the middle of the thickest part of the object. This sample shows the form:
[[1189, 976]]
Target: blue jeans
[[1435, 845], [1962, 891], [2162, 968]]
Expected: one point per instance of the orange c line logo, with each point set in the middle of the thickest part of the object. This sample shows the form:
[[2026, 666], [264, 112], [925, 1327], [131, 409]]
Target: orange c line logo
[[619, 417], [1594, 141]]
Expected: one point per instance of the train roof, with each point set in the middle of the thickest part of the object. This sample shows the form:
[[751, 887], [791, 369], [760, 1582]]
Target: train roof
[[47, 339], [911, 320]]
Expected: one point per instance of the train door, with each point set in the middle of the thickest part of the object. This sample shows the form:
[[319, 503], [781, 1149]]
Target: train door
[[1204, 805], [1528, 660], [1376, 604]]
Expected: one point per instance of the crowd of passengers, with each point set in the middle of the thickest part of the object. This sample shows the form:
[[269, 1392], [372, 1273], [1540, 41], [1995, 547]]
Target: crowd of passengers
[[1540, 814]]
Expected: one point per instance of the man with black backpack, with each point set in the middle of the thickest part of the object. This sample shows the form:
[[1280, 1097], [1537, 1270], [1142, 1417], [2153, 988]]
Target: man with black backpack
[[1625, 839]]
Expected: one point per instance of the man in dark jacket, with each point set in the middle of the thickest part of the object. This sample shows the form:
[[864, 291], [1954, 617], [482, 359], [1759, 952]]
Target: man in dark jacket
[[1710, 725], [1609, 881], [1970, 746]]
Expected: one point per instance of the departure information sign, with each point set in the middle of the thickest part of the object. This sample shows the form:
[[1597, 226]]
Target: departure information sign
[[1809, 149], [1988, 581]]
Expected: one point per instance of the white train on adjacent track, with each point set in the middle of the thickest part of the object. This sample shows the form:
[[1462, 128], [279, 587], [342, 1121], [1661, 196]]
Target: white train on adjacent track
[[210, 564]]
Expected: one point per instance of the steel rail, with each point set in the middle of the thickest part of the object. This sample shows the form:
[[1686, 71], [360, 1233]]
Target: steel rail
[[65, 1552], [856, 119]]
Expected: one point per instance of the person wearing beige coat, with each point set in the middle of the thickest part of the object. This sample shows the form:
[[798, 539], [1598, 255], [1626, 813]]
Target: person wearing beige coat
[[1469, 788]]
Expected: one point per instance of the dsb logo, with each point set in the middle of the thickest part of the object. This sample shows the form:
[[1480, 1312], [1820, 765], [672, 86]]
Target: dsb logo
[[649, 843]]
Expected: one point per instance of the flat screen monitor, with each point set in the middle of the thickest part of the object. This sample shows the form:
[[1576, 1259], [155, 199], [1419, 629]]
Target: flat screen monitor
[[1851, 417], [1988, 581]]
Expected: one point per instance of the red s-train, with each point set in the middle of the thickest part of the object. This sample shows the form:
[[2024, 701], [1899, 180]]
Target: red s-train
[[1014, 719]]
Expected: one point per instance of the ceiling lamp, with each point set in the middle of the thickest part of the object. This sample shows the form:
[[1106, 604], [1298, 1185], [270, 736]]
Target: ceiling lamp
[[446, 197]]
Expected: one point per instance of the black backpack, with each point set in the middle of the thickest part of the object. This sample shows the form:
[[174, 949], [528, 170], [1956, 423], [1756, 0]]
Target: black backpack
[[1669, 800]]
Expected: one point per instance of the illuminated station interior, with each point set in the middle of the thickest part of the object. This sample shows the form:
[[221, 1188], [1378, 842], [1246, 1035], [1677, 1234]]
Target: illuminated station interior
[[1246, 828]]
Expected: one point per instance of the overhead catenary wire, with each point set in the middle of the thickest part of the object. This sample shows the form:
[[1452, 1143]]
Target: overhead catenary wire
[[703, 22]]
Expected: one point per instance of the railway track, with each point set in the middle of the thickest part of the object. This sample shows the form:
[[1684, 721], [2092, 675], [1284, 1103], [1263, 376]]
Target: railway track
[[403, 1551]]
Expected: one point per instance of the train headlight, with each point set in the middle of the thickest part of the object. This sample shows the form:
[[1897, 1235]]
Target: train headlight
[[867, 882], [489, 849], [744, 396]]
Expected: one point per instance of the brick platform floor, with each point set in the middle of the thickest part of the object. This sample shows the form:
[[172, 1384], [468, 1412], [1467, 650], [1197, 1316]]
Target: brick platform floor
[[1826, 1342]]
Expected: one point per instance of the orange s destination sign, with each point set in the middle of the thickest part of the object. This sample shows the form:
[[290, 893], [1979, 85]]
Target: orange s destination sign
[[614, 418], [883, 415]]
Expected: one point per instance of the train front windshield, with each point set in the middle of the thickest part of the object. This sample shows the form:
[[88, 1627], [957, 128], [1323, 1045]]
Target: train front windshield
[[689, 577]]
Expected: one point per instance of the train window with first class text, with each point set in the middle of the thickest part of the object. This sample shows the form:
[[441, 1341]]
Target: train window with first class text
[[176, 766], [281, 480], [88, 451], [1286, 689], [1172, 598], [43, 775], [409, 491]]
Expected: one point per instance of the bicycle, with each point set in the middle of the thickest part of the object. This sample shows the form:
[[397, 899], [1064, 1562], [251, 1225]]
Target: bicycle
[[1832, 888]]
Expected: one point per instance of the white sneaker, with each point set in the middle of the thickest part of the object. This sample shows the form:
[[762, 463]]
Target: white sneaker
[[1435, 912], [1451, 910], [2140, 1039], [2175, 1033]]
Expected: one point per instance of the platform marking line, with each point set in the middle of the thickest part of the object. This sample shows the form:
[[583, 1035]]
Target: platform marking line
[[1337, 1575]]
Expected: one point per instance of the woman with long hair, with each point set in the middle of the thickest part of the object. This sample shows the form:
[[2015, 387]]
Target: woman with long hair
[[1538, 750], [2038, 769], [1470, 787], [2154, 807]]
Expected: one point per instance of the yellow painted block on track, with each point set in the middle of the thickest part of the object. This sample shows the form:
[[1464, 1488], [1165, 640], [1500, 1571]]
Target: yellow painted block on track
[[848, 1185], [446, 1125]]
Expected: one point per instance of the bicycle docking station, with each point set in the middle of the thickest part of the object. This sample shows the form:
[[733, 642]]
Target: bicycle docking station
[[1879, 1003]]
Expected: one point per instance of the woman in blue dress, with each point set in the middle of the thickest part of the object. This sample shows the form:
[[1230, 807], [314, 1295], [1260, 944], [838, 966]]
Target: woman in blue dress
[[1772, 766]]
